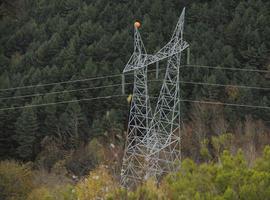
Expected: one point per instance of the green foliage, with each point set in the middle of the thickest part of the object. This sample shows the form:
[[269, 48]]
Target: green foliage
[[205, 154], [40, 194], [52, 41], [15, 180], [147, 191], [263, 164], [221, 142], [45, 42], [27, 134], [230, 179], [96, 186], [66, 192], [86, 158], [109, 123]]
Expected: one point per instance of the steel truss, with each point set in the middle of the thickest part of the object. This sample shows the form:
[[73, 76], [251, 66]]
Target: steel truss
[[152, 144]]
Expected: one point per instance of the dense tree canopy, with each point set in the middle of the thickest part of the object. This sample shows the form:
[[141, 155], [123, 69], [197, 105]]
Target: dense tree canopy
[[52, 41]]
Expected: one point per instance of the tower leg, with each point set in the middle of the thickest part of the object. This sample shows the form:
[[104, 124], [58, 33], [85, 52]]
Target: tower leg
[[133, 167]]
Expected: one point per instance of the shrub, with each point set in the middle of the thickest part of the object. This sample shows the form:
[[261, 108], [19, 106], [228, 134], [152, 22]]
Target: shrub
[[15, 180], [96, 186], [147, 191], [65, 192], [85, 158], [229, 179], [40, 194]]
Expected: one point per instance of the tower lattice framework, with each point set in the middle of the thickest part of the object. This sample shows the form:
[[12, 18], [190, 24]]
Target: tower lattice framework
[[150, 140]]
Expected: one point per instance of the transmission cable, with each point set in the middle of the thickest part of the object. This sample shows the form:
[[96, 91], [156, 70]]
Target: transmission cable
[[117, 75], [227, 68], [225, 85], [70, 81], [70, 91], [62, 82], [61, 102], [116, 85], [112, 96], [224, 103], [64, 91]]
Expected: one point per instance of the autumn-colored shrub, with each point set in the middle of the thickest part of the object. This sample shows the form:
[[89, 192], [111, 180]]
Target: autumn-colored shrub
[[146, 191], [231, 178], [15, 180], [96, 186], [65, 192], [40, 194]]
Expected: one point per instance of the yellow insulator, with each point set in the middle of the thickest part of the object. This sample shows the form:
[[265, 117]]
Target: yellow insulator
[[129, 98]]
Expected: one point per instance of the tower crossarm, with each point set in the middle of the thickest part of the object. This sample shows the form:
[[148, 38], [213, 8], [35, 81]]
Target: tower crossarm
[[174, 46], [170, 49]]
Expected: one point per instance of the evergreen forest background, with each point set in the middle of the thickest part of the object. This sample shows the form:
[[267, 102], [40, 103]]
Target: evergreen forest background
[[49, 41]]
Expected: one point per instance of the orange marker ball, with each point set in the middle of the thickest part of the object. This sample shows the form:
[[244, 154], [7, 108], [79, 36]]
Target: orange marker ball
[[137, 24]]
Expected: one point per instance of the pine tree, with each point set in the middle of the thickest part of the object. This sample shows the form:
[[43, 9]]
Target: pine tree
[[77, 126], [26, 134], [7, 143]]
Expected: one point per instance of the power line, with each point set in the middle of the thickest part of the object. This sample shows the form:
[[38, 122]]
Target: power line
[[225, 104], [227, 68], [70, 91], [221, 103], [62, 82], [60, 102], [70, 81], [116, 85], [112, 96], [117, 75], [225, 85], [65, 91]]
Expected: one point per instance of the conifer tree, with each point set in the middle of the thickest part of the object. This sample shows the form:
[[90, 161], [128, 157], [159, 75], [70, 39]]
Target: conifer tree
[[26, 134]]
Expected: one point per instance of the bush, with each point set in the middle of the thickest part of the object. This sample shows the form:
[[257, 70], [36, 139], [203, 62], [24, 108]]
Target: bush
[[66, 192], [85, 158], [96, 186], [263, 164], [147, 191], [40, 194], [229, 179], [15, 180]]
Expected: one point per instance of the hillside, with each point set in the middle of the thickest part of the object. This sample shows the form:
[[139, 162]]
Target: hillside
[[56, 55]]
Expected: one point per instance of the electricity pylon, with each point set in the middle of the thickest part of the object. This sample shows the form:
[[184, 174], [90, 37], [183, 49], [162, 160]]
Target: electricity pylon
[[140, 110], [135, 163], [163, 136]]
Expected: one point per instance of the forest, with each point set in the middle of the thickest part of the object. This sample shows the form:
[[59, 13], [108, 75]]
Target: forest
[[56, 55]]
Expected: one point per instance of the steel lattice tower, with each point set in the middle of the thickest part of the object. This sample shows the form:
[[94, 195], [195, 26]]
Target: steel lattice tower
[[163, 137], [136, 157]]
